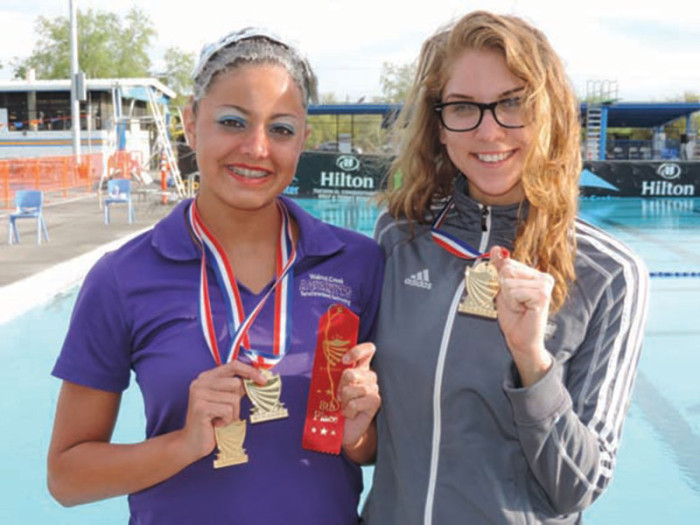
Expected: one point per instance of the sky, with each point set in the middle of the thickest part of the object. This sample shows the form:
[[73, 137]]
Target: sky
[[651, 48]]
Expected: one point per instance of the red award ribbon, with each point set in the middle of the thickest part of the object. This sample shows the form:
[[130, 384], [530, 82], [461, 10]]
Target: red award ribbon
[[337, 334]]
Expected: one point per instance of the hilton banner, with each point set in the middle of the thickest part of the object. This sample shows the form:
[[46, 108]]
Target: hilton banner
[[331, 175], [641, 179], [328, 175]]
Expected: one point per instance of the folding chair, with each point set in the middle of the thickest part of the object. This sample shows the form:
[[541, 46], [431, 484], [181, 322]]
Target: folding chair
[[30, 204], [119, 192]]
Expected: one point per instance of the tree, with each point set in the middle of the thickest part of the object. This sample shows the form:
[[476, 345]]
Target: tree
[[396, 81], [135, 40], [678, 127], [108, 46], [323, 127], [177, 76], [366, 130]]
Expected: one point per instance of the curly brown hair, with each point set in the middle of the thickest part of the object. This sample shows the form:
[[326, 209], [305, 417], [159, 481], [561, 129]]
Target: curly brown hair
[[552, 167]]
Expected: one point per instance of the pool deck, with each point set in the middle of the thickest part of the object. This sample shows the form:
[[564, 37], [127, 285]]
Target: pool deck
[[32, 274]]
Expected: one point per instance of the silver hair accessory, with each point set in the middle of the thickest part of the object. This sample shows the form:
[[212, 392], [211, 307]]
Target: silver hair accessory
[[207, 65], [210, 50]]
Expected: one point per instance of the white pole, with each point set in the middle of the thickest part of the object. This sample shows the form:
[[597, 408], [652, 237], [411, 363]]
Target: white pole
[[75, 103]]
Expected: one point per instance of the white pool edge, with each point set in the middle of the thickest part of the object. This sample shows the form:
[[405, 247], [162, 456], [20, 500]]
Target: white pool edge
[[21, 296]]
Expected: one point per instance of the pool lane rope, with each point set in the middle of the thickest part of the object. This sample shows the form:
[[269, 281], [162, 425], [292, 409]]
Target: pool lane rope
[[680, 275]]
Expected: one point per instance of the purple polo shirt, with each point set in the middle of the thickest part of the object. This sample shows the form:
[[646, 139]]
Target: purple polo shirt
[[137, 310]]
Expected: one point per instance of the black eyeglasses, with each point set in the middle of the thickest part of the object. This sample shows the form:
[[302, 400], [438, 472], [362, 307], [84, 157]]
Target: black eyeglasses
[[467, 116]]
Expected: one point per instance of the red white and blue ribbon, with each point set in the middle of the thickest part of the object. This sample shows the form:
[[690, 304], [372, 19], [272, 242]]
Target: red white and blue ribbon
[[449, 242], [239, 323]]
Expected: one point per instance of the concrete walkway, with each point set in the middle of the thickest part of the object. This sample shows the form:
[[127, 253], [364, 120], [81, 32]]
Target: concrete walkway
[[31, 274]]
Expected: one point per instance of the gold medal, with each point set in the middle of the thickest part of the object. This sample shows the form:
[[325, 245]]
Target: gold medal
[[481, 283], [229, 440], [266, 398]]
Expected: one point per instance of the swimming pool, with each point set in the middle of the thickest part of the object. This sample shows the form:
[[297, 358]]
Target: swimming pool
[[658, 467]]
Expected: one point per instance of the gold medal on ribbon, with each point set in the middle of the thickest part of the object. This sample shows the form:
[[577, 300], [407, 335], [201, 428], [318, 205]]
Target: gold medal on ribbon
[[481, 283], [229, 440], [266, 398]]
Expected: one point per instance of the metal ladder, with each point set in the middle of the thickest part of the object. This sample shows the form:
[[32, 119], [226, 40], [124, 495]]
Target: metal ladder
[[164, 143], [598, 94]]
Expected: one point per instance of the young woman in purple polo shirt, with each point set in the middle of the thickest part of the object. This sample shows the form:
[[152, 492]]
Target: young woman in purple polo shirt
[[242, 278]]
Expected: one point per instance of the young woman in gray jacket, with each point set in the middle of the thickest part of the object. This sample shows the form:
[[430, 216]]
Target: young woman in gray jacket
[[509, 330]]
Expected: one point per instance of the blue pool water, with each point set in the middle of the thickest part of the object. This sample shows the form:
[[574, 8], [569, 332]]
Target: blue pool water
[[657, 477]]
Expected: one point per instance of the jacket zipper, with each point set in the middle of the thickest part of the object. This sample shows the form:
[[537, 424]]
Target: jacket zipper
[[439, 369], [485, 227], [439, 372], [485, 218]]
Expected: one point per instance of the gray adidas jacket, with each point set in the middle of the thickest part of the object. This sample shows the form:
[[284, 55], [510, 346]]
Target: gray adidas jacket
[[459, 441]]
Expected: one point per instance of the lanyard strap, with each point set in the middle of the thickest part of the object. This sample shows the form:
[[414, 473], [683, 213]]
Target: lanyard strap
[[449, 242], [239, 323]]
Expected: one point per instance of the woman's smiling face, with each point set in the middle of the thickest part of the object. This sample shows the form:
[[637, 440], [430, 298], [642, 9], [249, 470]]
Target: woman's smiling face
[[248, 132], [491, 157]]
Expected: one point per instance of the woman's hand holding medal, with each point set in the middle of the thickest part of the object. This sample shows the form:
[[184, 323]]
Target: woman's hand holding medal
[[523, 309], [359, 397], [215, 401]]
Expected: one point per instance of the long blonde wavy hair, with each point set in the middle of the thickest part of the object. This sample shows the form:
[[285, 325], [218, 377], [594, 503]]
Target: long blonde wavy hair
[[552, 166]]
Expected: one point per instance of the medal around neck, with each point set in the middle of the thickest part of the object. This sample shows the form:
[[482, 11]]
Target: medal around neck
[[481, 283], [266, 398], [229, 440]]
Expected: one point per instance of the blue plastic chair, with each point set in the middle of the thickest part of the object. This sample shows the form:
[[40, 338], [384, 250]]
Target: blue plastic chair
[[30, 204], [119, 192]]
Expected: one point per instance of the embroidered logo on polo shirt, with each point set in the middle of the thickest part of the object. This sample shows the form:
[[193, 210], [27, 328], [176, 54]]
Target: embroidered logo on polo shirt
[[333, 288], [419, 280]]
